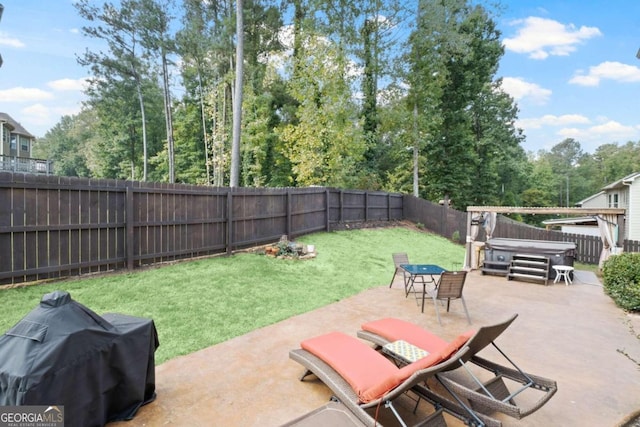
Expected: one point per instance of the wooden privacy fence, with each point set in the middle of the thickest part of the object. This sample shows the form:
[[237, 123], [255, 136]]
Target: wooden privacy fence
[[55, 226]]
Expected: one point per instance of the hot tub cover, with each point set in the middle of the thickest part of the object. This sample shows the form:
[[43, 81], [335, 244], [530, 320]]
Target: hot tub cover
[[101, 369], [532, 246]]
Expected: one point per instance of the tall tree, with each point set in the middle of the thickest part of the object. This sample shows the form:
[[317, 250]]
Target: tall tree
[[117, 27], [377, 50], [455, 51], [194, 41], [325, 144], [153, 19]]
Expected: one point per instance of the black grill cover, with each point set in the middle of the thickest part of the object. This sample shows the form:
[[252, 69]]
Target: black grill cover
[[101, 369]]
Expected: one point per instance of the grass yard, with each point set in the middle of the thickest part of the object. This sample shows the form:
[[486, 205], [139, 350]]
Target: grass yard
[[200, 303]]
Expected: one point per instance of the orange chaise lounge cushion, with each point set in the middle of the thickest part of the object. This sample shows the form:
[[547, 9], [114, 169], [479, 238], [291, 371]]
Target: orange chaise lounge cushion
[[396, 329], [368, 372]]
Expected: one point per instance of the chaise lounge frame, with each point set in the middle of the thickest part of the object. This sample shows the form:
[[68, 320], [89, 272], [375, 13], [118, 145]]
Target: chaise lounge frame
[[343, 392], [488, 396]]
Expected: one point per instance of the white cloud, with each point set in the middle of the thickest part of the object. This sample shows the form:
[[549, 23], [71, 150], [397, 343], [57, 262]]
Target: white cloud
[[540, 37], [68, 84], [616, 71], [599, 134], [519, 89], [10, 41], [551, 120], [24, 94], [37, 114]]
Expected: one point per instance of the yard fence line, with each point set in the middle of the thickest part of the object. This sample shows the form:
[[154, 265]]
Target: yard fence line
[[53, 227]]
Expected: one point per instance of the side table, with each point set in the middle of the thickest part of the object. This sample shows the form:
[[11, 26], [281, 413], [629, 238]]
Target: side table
[[563, 272]]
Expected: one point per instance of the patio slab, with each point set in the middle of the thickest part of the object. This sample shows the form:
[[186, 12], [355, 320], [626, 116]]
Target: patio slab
[[573, 334]]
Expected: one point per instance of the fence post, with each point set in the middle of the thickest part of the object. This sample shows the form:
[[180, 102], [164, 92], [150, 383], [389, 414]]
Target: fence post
[[443, 216], [129, 224], [327, 195], [366, 206], [229, 222], [288, 226]]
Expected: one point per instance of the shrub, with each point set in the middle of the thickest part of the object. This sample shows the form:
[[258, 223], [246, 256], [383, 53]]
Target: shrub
[[621, 278]]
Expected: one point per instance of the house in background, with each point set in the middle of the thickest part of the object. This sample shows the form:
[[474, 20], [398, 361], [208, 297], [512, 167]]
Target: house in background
[[585, 225], [16, 144], [598, 200], [623, 194]]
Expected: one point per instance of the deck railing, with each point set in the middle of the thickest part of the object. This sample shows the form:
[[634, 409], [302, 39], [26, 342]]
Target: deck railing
[[25, 165]]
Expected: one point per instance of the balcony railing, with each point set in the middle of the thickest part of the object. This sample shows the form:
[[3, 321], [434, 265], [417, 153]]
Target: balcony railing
[[25, 165]]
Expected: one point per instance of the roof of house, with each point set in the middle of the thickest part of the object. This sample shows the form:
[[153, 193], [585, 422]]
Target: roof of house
[[585, 220], [622, 182], [17, 127]]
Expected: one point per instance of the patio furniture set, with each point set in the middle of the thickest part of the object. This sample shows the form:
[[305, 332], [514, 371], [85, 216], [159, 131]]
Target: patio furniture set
[[394, 358]]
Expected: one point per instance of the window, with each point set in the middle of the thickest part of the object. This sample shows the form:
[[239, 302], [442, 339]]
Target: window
[[12, 144], [613, 200], [24, 145]]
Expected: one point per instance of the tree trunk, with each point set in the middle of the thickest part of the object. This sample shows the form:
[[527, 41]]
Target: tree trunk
[[415, 151], [237, 99], [204, 128], [168, 119], [144, 130]]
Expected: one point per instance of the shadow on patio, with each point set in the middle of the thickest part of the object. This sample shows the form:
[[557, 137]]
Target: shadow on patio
[[574, 335]]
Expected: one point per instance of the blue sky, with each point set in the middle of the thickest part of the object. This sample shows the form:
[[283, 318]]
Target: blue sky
[[570, 65]]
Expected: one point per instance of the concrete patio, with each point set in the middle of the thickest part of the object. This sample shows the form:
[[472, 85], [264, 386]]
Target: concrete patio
[[572, 334]]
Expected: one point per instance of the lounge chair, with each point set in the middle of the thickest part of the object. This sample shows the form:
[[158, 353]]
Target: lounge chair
[[468, 386], [364, 380]]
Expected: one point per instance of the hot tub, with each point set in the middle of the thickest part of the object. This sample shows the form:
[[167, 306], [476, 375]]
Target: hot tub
[[502, 250]]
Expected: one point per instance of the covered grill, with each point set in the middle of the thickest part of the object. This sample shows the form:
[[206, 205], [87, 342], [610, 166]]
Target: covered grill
[[100, 369]]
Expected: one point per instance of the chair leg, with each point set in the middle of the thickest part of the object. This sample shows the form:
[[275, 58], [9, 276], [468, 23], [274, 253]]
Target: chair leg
[[435, 304], [465, 310], [395, 273]]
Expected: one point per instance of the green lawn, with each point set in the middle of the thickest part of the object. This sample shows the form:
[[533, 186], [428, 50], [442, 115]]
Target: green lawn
[[199, 303]]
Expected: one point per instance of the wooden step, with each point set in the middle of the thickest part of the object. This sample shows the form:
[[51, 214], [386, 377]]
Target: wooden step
[[505, 264], [526, 276], [522, 268], [497, 271]]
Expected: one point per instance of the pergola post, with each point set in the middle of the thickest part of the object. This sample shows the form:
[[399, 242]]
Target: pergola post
[[469, 243]]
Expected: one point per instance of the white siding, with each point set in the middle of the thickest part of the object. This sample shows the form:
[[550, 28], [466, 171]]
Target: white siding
[[633, 212], [599, 201], [587, 230]]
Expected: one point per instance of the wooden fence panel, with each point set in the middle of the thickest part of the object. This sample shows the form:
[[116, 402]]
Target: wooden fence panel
[[353, 206], [631, 246], [257, 217], [308, 211], [440, 219]]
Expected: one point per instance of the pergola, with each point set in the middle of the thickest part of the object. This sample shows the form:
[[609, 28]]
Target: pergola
[[485, 216]]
